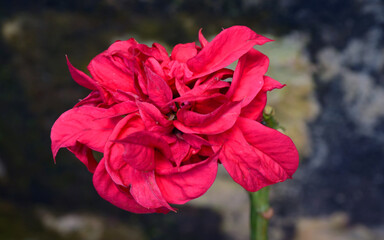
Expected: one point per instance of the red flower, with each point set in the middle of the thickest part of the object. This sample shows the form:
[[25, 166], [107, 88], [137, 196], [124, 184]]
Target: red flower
[[163, 123]]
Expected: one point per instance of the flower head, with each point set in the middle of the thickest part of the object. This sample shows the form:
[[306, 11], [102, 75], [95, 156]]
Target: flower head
[[164, 123]]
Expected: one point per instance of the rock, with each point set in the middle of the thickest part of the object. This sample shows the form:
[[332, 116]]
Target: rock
[[333, 227], [295, 104], [89, 226], [83, 226], [348, 133], [229, 200]]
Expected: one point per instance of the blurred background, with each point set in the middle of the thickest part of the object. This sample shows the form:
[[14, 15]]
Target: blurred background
[[330, 54]]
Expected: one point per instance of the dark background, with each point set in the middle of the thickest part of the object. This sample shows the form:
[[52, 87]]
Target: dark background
[[341, 176]]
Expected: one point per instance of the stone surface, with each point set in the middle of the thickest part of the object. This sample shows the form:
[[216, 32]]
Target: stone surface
[[334, 227], [296, 104], [88, 226], [230, 200], [345, 171]]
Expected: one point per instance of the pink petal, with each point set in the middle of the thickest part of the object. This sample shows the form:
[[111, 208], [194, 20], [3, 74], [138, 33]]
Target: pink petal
[[92, 100], [181, 87], [178, 70], [119, 96], [179, 149], [184, 146], [276, 145], [208, 105], [256, 156], [184, 52], [158, 90], [221, 74], [202, 40], [85, 155], [254, 110], [225, 48], [270, 84], [140, 80], [86, 127], [213, 83], [155, 66], [139, 150], [109, 75], [206, 89], [182, 184], [154, 120], [121, 47], [119, 158], [118, 110], [116, 195], [195, 141], [116, 167], [215, 122], [248, 77], [162, 52], [192, 96], [146, 192], [157, 51], [81, 78]]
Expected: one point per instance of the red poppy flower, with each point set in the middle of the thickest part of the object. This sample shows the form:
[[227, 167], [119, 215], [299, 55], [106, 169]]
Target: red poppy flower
[[164, 123]]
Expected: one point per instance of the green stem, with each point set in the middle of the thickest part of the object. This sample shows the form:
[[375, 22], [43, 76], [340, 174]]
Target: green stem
[[260, 214], [260, 210]]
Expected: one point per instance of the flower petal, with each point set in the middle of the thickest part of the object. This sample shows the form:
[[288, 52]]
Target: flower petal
[[139, 149], [181, 87], [157, 51], [121, 47], [221, 74], [182, 184], [195, 141], [215, 122], [257, 156], [270, 84], [93, 100], [225, 48], [146, 192], [184, 52], [118, 160], [254, 110], [86, 126], [154, 120], [117, 168], [248, 77], [161, 54], [180, 150], [155, 66], [116, 195], [158, 90], [279, 147], [202, 40], [109, 75], [203, 90], [85, 155], [81, 78]]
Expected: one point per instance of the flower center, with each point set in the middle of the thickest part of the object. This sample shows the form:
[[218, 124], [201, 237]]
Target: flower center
[[171, 116]]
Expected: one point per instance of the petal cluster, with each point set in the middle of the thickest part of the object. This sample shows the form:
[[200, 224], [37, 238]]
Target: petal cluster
[[164, 122]]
